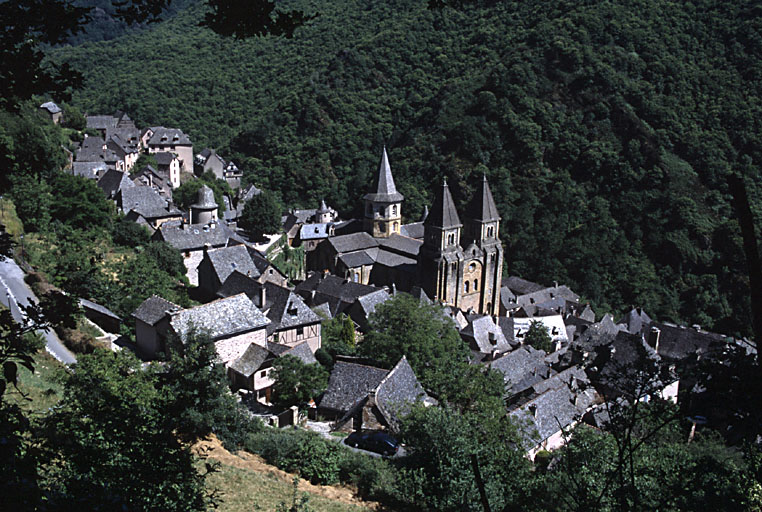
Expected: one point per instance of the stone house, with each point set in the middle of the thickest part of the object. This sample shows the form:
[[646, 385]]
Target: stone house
[[365, 397], [150, 177], [169, 167], [152, 325], [113, 181], [159, 139], [145, 206], [53, 111], [217, 265]]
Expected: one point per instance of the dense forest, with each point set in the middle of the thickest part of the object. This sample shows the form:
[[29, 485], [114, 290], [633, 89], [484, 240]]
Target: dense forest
[[607, 129]]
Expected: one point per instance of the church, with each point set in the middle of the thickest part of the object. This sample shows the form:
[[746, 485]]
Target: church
[[452, 262]]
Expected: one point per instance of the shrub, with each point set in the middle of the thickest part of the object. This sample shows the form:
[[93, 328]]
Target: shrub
[[373, 478]]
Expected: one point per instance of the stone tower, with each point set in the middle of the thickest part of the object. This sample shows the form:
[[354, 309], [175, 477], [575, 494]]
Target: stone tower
[[481, 233], [383, 208], [440, 261], [323, 214], [205, 209]]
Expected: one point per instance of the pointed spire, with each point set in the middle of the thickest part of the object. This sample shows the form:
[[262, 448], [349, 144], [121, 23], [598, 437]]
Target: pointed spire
[[443, 213], [482, 206], [386, 191], [323, 208]]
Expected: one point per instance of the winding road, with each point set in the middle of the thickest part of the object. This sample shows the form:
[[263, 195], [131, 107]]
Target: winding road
[[14, 292]]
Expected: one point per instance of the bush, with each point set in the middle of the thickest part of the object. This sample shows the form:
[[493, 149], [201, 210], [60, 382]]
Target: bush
[[373, 478], [129, 234]]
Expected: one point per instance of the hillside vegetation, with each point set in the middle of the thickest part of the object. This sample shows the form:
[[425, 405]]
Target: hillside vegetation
[[607, 129]]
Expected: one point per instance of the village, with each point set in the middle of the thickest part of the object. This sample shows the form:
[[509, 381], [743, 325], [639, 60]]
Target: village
[[562, 362]]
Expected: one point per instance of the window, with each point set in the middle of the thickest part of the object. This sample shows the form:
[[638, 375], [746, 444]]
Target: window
[[263, 374], [382, 226], [476, 284], [465, 287], [472, 266], [490, 231], [451, 239], [355, 277], [396, 227], [299, 331], [394, 210], [454, 267]]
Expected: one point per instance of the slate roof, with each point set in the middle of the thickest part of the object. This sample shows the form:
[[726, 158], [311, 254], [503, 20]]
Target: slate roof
[[164, 157], [678, 342], [221, 318], [350, 383], [353, 242], [635, 320], [359, 258], [302, 351], [368, 303], [194, 236], [521, 368], [403, 245], [484, 335], [385, 190], [329, 286], [88, 169], [113, 181], [413, 230], [153, 309], [398, 392], [251, 360], [482, 206], [521, 286], [51, 107], [144, 201], [100, 122], [552, 408], [394, 260], [443, 213], [233, 258], [286, 310], [88, 304], [165, 136], [205, 198], [314, 231]]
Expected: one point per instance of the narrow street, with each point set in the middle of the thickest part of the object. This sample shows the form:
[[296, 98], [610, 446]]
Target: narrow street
[[14, 292]]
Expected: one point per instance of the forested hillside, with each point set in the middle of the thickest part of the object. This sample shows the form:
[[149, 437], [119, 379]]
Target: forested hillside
[[607, 129]]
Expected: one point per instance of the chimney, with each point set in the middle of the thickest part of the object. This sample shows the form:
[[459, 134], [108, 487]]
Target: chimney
[[653, 338], [533, 409], [262, 297], [492, 338], [207, 246]]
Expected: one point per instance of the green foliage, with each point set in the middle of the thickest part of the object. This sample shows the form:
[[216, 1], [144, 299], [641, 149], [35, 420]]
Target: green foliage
[[338, 336], [300, 502], [32, 197], [187, 193], [261, 215], [129, 234], [79, 203], [167, 258], [538, 337], [197, 400], [406, 326], [143, 160], [73, 118], [297, 383], [110, 444]]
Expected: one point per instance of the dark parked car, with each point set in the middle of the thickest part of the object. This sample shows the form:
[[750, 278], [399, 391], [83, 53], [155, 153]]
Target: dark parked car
[[379, 442]]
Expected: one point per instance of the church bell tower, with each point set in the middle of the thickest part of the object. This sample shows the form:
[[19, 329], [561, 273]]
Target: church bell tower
[[383, 208]]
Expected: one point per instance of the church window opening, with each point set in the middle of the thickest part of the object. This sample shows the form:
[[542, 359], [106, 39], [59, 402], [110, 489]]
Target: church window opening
[[476, 284], [396, 227], [465, 287], [451, 239], [472, 266], [490, 231], [394, 210], [454, 266]]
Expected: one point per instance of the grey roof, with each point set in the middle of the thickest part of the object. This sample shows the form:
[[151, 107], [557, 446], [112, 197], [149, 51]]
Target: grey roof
[[101, 122], [302, 351], [359, 258], [205, 199], [314, 231], [543, 416], [482, 206], [113, 181], [521, 368], [443, 213], [88, 304], [88, 169], [546, 295], [51, 107], [286, 310], [350, 383], [506, 325], [164, 157], [251, 360], [144, 201], [153, 309], [368, 303], [323, 207], [194, 236], [394, 260], [412, 230], [164, 136], [329, 286], [238, 283], [386, 191], [353, 242], [233, 258], [221, 318], [398, 392], [521, 286], [635, 320], [402, 244], [484, 335], [678, 342]]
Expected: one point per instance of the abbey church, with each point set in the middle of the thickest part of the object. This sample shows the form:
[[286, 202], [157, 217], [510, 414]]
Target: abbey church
[[458, 263]]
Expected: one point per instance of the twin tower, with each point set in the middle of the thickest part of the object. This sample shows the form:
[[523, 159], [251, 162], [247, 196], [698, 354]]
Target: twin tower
[[458, 264]]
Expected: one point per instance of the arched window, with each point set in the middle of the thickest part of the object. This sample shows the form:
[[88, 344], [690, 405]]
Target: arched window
[[465, 287], [472, 266], [490, 231], [454, 267], [394, 210], [451, 239], [476, 284], [396, 227]]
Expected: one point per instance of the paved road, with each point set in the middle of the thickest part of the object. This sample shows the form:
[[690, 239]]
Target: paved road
[[14, 291]]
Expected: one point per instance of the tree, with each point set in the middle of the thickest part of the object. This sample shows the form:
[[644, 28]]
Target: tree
[[144, 160], [338, 336], [109, 444], [187, 193], [261, 215], [73, 118], [538, 337], [296, 382], [167, 258], [129, 234], [79, 203], [403, 325]]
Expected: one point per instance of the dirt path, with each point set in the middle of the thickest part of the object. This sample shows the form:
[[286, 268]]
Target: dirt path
[[213, 449]]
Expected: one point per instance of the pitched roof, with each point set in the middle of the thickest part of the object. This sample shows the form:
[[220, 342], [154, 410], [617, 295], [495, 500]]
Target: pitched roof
[[144, 201], [368, 303], [359, 258], [314, 231], [546, 414], [251, 360], [678, 342], [412, 230], [164, 157], [221, 318], [233, 258], [385, 190], [443, 213], [350, 383], [113, 181], [482, 206], [51, 107], [286, 310], [302, 351], [352, 242], [194, 236], [521, 286], [394, 260], [398, 391], [484, 335], [88, 304], [153, 309], [88, 169], [403, 245], [164, 136], [101, 122], [521, 368]]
